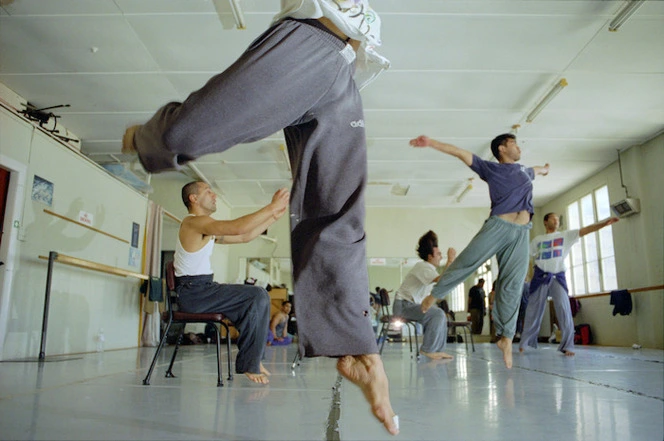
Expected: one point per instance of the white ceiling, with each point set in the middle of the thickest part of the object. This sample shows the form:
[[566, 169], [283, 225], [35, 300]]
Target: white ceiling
[[462, 71]]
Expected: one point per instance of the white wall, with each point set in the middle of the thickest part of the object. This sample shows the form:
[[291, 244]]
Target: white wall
[[82, 301], [639, 245]]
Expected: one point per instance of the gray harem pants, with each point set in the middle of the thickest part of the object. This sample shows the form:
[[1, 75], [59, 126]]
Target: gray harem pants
[[298, 78], [509, 243]]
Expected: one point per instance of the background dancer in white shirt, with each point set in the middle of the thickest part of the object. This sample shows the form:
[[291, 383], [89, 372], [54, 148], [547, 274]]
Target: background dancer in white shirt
[[413, 292], [549, 251]]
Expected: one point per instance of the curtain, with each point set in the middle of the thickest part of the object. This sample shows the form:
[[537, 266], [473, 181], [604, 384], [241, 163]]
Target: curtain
[[150, 334]]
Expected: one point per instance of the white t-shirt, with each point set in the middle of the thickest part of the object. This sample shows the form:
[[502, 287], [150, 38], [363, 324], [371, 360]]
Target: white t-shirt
[[551, 249], [356, 19], [418, 283]]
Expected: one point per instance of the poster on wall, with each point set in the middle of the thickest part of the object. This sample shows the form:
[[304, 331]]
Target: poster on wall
[[42, 191], [134, 257], [134, 234]]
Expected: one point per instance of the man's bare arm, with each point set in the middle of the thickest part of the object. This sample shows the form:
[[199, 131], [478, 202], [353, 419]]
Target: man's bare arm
[[425, 141], [254, 223], [598, 226]]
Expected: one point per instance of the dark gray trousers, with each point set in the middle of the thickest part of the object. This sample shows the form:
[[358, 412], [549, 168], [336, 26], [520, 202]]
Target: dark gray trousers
[[247, 306], [298, 78]]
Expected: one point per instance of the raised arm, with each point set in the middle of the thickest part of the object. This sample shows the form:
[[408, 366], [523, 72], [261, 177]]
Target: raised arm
[[425, 141], [541, 170], [430, 300], [245, 228], [598, 226]]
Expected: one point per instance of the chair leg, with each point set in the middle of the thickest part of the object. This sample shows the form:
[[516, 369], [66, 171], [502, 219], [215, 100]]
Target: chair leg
[[465, 338], [472, 341], [417, 345], [169, 372], [296, 360], [146, 380], [220, 383], [383, 336], [228, 348]]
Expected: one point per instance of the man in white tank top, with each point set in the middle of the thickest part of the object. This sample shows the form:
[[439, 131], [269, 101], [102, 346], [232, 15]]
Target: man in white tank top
[[247, 306]]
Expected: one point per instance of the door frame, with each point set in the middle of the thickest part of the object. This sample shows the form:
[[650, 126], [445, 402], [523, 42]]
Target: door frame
[[10, 241]]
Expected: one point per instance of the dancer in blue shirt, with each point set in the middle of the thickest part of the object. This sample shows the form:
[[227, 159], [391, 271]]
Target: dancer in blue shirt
[[504, 234]]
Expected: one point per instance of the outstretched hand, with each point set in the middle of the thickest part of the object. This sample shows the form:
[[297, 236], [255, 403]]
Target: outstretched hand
[[280, 202], [451, 255], [420, 141]]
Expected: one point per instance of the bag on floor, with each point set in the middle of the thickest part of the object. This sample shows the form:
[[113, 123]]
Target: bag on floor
[[583, 335]]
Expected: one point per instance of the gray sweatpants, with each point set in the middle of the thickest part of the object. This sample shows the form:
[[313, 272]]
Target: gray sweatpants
[[535, 312], [509, 243], [434, 322], [298, 78], [248, 307]]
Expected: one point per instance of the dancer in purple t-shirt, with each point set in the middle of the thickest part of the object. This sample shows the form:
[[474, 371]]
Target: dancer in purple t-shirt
[[504, 234]]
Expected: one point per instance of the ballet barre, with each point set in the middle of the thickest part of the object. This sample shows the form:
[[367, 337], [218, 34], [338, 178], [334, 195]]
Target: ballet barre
[[53, 257], [631, 291]]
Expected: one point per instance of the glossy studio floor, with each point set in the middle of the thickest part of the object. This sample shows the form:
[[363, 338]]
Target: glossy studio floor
[[601, 394]]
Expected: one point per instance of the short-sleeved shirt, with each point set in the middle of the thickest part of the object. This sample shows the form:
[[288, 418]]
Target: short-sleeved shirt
[[477, 296], [551, 249], [510, 185], [418, 283], [356, 19]]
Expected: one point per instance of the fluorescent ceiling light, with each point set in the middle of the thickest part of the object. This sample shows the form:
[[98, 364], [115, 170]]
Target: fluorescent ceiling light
[[560, 85], [465, 191], [237, 14], [624, 14], [400, 190]]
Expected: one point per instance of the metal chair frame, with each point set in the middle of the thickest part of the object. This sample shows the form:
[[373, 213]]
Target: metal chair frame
[[171, 317]]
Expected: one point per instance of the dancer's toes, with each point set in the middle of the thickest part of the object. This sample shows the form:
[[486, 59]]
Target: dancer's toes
[[568, 353], [367, 372], [128, 146], [257, 378], [505, 345]]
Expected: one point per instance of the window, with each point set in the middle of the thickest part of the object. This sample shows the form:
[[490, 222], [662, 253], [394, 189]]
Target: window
[[457, 300], [591, 265]]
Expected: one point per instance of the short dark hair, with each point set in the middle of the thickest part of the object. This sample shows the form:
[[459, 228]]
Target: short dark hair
[[187, 190], [498, 141], [426, 244], [546, 216], [481, 280]]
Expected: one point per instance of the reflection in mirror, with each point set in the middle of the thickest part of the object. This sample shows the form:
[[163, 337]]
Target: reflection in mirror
[[273, 270]]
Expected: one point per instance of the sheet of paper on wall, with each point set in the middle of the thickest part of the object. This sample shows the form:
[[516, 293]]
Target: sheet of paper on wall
[[134, 257]]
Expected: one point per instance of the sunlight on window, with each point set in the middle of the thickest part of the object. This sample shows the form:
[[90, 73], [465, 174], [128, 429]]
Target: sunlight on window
[[591, 263]]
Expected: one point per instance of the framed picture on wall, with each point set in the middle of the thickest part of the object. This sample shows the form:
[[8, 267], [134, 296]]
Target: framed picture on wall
[[42, 191]]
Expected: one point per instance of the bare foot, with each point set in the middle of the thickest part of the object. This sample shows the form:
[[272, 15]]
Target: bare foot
[[437, 355], [265, 371], [257, 378], [505, 345], [521, 349], [568, 353], [128, 146], [367, 372]]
